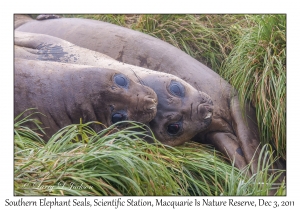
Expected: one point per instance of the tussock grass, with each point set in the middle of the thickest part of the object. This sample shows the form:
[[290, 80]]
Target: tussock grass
[[78, 161], [200, 36], [264, 182], [256, 67], [25, 136]]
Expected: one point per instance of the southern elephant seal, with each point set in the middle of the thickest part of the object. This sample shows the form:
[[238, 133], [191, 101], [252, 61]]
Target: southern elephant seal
[[182, 111], [67, 92], [233, 131]]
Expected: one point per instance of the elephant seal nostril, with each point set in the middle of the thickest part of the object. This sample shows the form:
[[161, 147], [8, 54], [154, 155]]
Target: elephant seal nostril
[[151, 104], [204, 111], [209, 114]]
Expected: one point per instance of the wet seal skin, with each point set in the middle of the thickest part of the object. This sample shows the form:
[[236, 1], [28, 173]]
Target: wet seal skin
[[182, 111], [67, 92], [229, 131]]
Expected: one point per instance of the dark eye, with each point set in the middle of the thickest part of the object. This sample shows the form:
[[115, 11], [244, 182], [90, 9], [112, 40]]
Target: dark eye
[[176, 88], [121, 80], [174, 128], [117, 117]]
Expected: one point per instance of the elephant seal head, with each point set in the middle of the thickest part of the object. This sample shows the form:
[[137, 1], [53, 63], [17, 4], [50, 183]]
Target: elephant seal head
[[67, 92], [182, 111]]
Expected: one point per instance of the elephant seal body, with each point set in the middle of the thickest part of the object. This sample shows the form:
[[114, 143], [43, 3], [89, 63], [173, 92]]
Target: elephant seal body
[[67, 92], [182, 111], [142, 50], [234, 133]]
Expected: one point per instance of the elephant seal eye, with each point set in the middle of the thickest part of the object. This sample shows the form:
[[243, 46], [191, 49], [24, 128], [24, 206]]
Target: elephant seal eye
[[174, 128], [121, 80], [177, 89], [117, 117]]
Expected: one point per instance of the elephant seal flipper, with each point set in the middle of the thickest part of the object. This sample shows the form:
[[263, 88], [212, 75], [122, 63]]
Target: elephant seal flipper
[[246, 131], [227, 144]]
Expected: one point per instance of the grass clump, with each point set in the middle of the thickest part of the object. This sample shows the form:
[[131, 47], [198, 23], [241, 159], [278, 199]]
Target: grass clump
[[24, 136], [204, 37], [266, 181], [256, 67], [78, 161]]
